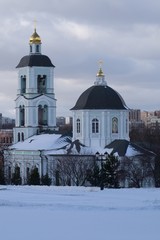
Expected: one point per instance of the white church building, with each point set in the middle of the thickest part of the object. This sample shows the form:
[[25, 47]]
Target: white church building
[[35, 102], [100, 117]]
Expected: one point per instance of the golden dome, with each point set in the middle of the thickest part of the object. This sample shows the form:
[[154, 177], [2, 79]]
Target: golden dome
[[100, 73], [35, 38]]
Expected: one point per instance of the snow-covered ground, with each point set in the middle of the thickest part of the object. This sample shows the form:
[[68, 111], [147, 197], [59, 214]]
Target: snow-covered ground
[[78, 213]]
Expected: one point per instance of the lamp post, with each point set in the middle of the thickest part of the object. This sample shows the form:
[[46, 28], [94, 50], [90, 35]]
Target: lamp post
[[101, 158]]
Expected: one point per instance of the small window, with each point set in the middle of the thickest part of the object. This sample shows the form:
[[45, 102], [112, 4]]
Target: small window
[[78, 126], [114, 125], [22, 136], [18, 137], [126, 126], [95, 125], [37, 48]]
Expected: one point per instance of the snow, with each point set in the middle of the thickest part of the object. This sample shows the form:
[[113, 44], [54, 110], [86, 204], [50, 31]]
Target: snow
[[38, 142], [132, 152], [78, 213], [59, 144]]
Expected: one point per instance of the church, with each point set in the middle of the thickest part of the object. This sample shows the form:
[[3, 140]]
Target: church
[[100, 115], [100, 119], [35, 102]]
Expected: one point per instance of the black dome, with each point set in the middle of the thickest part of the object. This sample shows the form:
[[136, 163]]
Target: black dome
[[35, 60], [100, 97]]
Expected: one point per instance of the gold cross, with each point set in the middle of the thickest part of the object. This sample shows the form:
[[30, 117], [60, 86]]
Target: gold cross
[[100, 63], [35, 23]]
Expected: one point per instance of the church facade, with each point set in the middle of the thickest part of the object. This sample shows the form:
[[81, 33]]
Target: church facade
[[100, 115], [35, 101]]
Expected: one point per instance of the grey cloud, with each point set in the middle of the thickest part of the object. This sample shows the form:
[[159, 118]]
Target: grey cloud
[[76, 34]]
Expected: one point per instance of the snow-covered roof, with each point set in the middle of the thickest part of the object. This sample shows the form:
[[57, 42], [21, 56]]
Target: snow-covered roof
[[53, 144], [122, 147], [42, 142]]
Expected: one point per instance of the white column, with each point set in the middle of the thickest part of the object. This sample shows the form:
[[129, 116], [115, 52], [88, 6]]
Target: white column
[[17, 116], [108, 128], [74, 125], [83, 127], [121, 126], [102, 130], [87, 129]]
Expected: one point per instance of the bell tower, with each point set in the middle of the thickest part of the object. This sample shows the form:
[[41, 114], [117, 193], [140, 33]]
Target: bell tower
[[35, 101]]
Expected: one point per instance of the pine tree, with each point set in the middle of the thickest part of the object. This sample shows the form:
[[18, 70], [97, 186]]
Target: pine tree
[[157, 171], [34, 178], [2, 180], [110, 172], [16, 178], [93, 176], [46, 180]]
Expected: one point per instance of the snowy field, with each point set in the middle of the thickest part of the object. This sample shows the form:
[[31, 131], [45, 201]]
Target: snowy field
[[78, 213]]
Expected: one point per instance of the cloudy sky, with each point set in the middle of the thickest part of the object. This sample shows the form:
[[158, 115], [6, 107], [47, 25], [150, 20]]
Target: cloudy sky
[[76, 34]]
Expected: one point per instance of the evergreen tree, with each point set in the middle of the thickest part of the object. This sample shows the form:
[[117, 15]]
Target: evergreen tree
[[105, 173], [46, 180], [57, 178], [93, 176], [2, 180], [16, 178], [157, 171], [34, 178], [110, 172]]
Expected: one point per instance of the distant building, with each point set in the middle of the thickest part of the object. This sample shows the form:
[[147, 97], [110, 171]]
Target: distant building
[[135, 115], [151, 119], [8, 123], [135, 119], [6, 138], [157, 113], [0, 120], [69, 120], [60, 121]]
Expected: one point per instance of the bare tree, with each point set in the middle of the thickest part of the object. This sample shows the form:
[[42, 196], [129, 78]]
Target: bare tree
[[4, 164], [137, 171], [72, 170]]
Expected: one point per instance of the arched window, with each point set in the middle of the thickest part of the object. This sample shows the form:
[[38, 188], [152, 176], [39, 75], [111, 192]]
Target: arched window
[[95, 125], [78, 126], [22, 136], [28, 174], [114, 125], [126, 125], [41, 83], [22, 115], [23, 84], [9, 174], [30, 48], [42, 115], [19, 137], [37, 48]]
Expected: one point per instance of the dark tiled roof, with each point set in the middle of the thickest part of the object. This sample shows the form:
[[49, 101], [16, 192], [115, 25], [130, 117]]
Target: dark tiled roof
[[142, 150], [100, 97], [38, 60], [119, 146]]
